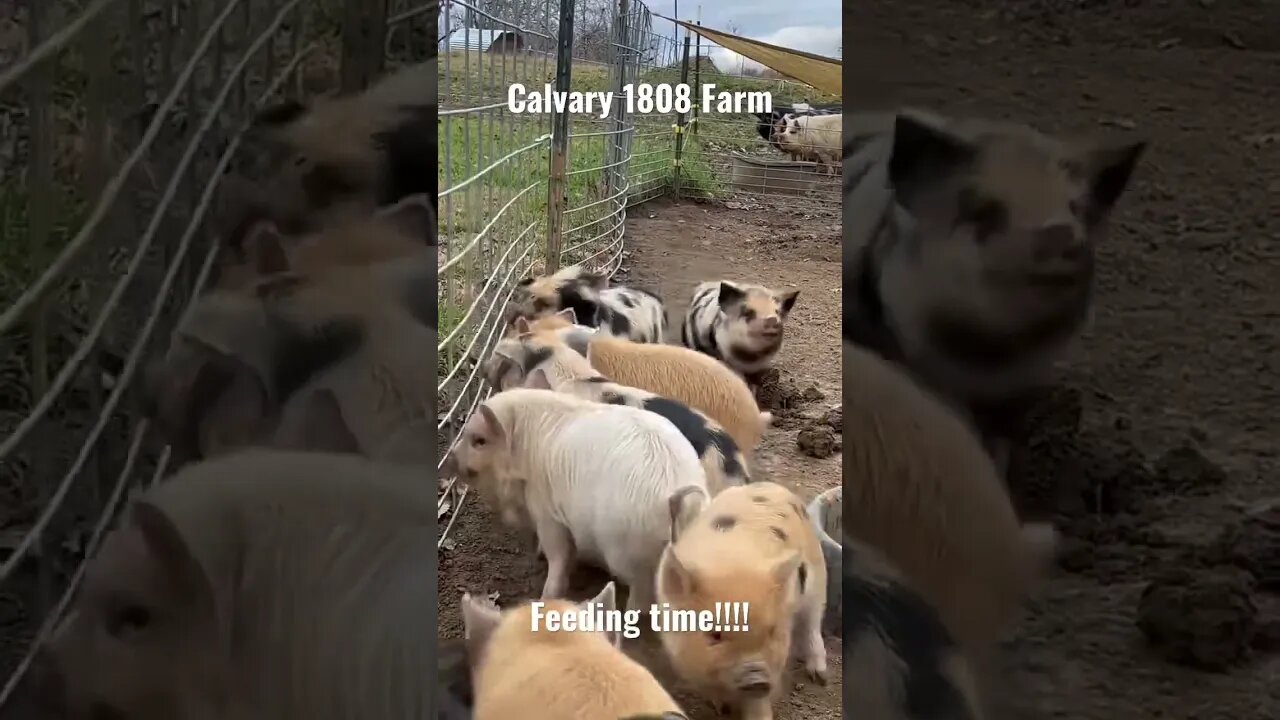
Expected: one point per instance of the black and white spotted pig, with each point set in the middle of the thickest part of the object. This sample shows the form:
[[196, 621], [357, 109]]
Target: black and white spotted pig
[[630, 313], [737, 323]]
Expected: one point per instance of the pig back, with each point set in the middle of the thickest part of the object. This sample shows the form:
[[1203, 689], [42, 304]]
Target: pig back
[[322, 564], [610, 473]]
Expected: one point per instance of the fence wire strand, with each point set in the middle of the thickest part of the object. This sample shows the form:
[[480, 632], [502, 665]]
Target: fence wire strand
[[116, 138]]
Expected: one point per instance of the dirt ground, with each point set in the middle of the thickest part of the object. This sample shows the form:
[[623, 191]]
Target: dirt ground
[[672, 247], [1158, 457]]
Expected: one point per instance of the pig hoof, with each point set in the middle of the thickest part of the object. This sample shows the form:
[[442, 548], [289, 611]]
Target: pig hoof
[[819, 675]]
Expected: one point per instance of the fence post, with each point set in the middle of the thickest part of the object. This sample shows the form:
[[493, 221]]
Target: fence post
[[559, 139], [364, 35], [697, 78], [622, 55], [684, 80]]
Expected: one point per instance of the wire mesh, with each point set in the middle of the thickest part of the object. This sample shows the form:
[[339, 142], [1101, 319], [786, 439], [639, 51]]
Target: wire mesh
[[118, 119], [505, 201]]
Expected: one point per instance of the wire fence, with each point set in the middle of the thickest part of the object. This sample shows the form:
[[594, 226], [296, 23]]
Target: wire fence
[[118, 119], [525, 193]]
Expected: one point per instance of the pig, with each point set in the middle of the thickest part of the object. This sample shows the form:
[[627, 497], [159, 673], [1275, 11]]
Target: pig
[[915, 479], [814, 137], [699, 381], [214, 597], [352, 239], [632, 313], [591, 479], [358, 152], [326, 361], [738, 324], [752, 544], [900, 661], [568, 372], [970, 255], [561, 675]]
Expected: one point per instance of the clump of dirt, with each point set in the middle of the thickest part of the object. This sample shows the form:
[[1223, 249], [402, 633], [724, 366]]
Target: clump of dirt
[[1200, 618], [777, 394], [818, 440], [1184, 469], [1253, 544], [834, 418]]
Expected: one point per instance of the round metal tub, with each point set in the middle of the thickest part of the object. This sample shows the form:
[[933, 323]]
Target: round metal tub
[[824, 513], [787, 177]]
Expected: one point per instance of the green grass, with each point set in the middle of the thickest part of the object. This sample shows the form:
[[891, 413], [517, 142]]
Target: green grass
[[473, 141]]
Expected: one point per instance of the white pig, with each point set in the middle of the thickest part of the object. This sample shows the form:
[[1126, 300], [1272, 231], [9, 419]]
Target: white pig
[[592, 479]]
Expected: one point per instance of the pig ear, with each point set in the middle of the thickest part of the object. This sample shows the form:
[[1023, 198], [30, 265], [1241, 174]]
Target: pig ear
[[568, 314], [166, 546], [522, 325], [479, 619], [729, 294], [325, 428], [791, 567], [922, 154], [538, 380], [264, 247], [235, 401], [607, 599], [1109, 169], [684, 505], [495, 425], [676, 576], [414, 215], [210, 403], [788, 301]]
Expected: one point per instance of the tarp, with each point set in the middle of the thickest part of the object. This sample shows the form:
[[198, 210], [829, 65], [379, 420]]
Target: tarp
[[821, 72]]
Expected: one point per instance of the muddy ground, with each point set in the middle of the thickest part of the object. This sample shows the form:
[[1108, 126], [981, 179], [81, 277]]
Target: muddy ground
[[1158, 456], [671, 248]]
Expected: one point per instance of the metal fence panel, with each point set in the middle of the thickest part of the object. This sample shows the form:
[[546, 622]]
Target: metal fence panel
[[118, 119], [526, 193]]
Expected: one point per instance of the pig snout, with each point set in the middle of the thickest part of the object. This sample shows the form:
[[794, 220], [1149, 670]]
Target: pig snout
[[753, 679]]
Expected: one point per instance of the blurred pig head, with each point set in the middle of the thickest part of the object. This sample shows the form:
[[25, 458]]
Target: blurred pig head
[[482, 458], [209, 392], [143, 640], [504, 634], [729, 667]]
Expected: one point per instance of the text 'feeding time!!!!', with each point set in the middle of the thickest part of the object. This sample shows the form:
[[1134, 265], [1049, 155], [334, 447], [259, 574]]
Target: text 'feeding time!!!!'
[[641, 98]]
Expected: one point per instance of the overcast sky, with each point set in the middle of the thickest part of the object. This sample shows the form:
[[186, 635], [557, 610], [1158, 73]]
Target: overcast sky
[[816, 30]]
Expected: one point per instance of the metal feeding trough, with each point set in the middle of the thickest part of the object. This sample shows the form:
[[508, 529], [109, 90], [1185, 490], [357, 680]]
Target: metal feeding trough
[[825, 514], [788, 177]]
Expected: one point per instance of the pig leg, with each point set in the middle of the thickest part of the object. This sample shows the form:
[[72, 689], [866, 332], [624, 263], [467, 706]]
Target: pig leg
[[557, 545], [807, 641], [641, 594]]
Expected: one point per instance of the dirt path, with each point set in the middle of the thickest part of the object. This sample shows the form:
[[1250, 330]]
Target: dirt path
[[1184, 350], [672, 248]]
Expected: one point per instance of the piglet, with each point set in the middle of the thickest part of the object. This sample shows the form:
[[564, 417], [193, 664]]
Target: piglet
[[755, 545], [556, 675], [262, 584], [591, 479]]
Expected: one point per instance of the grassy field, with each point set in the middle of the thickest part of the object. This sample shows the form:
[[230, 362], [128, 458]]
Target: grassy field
[[507, 203]]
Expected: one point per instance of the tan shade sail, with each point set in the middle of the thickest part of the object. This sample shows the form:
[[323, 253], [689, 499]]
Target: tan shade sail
[[821, 72]]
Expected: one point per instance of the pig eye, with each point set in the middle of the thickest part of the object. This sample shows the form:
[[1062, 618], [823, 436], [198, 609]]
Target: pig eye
[[478, 441], [715, 637], [128, 619], [748, 314]]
